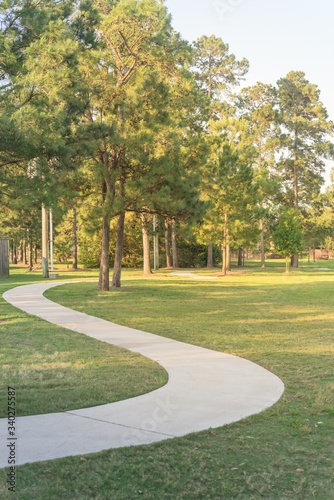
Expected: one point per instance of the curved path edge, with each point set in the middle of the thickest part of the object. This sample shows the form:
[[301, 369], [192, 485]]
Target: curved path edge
[[205, 389]]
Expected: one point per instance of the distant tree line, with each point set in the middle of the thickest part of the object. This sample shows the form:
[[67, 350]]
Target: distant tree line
[[110, 118]]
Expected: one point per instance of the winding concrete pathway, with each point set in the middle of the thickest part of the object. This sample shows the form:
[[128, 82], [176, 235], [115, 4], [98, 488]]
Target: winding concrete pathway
[[205, 389]]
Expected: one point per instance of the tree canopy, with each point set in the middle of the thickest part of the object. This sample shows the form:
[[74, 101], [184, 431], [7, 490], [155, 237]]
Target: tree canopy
[[107, 111]]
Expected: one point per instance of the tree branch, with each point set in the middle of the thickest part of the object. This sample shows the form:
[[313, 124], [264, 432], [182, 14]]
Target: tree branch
[[20, 14]]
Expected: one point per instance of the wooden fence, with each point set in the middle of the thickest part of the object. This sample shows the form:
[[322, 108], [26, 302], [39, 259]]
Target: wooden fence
[[4, 258]]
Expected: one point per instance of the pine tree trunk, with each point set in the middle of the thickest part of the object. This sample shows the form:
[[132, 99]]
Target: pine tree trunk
[[12, 252], [167, 245], [287, 264], [210, 256], [146, 245], [35, 253], [45, 245], [240, 251], [308, 257], [116, 278], [314, 255], [228, 257], [295, 261], [224, 249], [156, 243], [295, 258], [228, 249], [15, 255], [21, 252], [30, 253], [224, 259], [25, 253], [263, 256], [174, 247], [295, 173], [75, 243], [104, 262]]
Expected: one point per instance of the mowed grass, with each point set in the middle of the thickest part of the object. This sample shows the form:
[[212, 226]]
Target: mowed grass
[[54, 369], [284, 323]]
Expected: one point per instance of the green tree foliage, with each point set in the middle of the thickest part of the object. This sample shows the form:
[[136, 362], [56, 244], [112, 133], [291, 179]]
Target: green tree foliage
[[136, 78], [304, 138], [41, 99], [39, 95], [257, 105], [104, 108], [233, 198], [216, 70], [288, 235], [316, 222]]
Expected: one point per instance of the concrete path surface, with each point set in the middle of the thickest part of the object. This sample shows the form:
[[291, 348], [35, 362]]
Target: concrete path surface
[[205, 389]]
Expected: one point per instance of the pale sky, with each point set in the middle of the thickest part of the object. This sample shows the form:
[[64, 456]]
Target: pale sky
[[276, 36]]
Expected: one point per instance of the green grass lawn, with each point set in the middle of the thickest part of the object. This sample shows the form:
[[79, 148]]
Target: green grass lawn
[[284, 323]]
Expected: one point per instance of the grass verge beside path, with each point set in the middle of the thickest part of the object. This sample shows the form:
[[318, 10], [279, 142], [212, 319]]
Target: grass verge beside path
[[54, 369], [284, 323]]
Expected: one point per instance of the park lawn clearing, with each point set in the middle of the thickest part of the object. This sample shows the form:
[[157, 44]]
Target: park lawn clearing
[[282, 322], [55, 370]]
